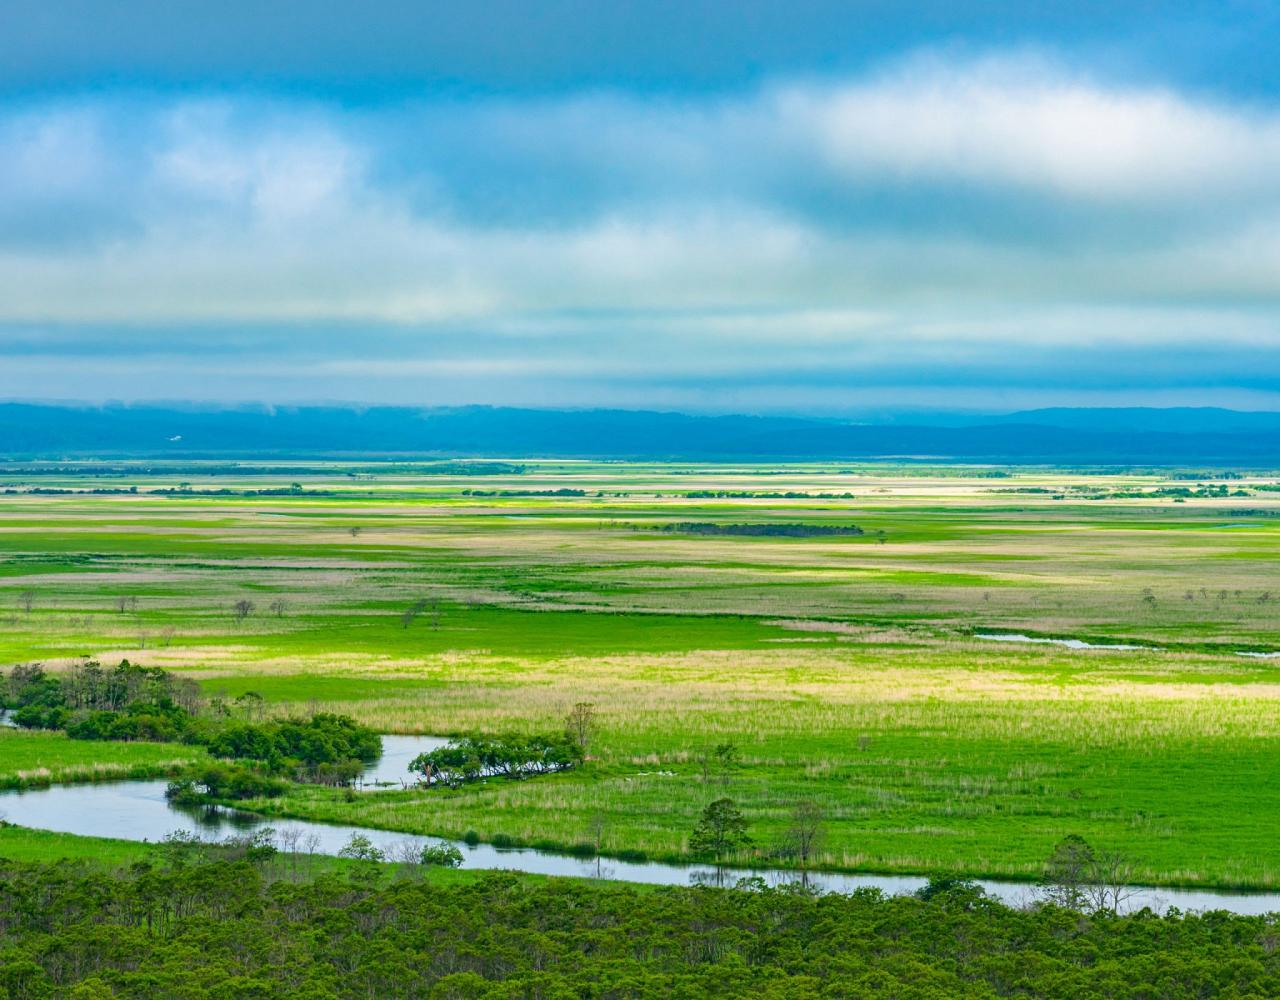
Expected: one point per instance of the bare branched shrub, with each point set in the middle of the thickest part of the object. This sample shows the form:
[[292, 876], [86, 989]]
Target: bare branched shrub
[[580, 725]]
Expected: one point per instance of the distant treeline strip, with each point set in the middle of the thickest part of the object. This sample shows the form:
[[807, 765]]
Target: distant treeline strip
[[274, 491], [759, 530], [564, 492], [97, 470], [756, 495]]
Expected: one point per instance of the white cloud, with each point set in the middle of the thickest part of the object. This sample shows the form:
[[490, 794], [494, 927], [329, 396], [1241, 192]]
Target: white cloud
[[799, 227], [1023, 122]]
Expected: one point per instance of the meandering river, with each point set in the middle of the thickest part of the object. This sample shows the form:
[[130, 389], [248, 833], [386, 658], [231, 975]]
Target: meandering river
[[138, 810]]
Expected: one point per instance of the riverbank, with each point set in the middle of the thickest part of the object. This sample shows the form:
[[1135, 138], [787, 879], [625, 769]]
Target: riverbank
[[139, 811]]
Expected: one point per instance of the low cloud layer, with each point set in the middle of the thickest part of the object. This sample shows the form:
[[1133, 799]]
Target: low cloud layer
[[939, 232]]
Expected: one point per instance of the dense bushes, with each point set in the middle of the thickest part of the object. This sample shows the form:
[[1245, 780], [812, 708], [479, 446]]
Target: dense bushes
[[41, 716], [146, 703], [224, 929], [201, 783], [510, 756], [322, 739], [164, 723], [127, 702], [34, 697]]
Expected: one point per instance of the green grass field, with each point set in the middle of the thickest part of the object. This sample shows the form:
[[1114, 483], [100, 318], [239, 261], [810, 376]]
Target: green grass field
[[32, 759], [844, 668]]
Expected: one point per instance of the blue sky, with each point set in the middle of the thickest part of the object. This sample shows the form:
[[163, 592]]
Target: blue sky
[[800, 207]]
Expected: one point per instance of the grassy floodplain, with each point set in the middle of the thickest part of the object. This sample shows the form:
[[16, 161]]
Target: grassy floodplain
[[844, 667], [37, 758]]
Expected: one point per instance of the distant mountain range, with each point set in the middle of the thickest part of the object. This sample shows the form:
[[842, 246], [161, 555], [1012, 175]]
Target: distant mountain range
[[1106, 436]]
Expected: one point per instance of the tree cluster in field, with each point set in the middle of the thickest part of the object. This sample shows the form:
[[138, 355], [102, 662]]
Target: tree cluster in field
[[127, 702], [323, 739], [1214, 491], [216, 781], [759, 530], [759, 495], [133, 703], [511, 755], [562, 492], [238, 920]]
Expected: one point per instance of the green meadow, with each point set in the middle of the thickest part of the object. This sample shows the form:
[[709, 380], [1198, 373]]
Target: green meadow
[[37, 758], [846, 669]]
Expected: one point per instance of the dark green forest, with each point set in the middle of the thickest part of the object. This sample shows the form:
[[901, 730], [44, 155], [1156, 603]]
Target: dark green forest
[[248, 924]]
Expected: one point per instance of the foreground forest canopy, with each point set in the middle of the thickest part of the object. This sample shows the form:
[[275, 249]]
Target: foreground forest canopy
[[252, 928]]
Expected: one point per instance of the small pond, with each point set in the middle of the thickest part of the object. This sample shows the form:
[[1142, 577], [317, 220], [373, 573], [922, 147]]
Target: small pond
[[1067, 643]]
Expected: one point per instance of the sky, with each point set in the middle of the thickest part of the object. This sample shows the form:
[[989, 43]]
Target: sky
[[788, 207]]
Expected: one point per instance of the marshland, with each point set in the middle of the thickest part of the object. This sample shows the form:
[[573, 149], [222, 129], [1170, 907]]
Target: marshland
[[843, 669]]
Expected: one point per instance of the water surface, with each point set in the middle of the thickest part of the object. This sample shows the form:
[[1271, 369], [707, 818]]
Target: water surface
[[1068, 643], [138, 811]]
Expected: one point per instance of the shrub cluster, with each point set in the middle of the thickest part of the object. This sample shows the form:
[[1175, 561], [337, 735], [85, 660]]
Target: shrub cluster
[[201, 783], [324, 739], [90, 702], [511, 755], [130, 702]]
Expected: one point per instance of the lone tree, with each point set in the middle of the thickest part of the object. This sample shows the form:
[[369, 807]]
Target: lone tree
[[412, 612], [1078, 878], [251, 704], [804, 835], [242, 609], [721, 830], [1110, 887], [278, 607], [361, 848], [368, 856], [440, 856], [1068, 872], [580, 725], [27, 600], [724, 757], [727, 759]]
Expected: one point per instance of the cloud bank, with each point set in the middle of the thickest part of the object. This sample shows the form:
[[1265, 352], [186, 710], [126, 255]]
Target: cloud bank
[[942, 231]]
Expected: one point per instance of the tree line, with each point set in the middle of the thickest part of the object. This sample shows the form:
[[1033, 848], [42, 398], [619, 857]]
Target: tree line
[[134, 703], [240, 920], [778, 530]]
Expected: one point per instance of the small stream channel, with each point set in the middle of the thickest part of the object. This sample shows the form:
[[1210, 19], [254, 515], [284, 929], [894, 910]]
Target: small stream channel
[[138, 810], [1081, 644]]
